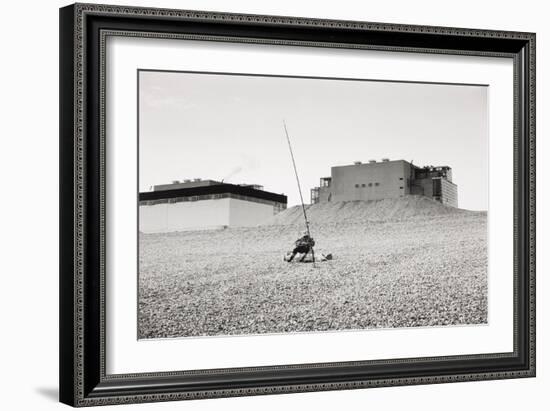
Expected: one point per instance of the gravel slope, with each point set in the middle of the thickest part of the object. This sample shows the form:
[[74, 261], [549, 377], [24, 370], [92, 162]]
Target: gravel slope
[[362, 211], [402, 270]]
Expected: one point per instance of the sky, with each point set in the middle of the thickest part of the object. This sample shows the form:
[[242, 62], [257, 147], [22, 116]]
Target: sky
[[222, 126]]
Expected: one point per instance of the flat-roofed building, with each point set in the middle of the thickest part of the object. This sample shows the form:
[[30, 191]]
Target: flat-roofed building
[[205, 204], [378, 180]]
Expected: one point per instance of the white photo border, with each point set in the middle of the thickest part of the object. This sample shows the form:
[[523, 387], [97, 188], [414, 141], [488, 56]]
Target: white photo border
[[125, 354]]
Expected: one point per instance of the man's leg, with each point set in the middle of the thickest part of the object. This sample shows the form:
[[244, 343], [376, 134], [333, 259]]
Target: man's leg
[[304, 256], [292, 256]]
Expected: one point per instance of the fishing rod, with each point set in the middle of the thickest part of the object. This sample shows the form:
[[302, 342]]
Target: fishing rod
[[299, 189]]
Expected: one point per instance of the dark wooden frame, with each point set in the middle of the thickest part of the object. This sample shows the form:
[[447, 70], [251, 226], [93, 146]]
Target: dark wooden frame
[[83, 29]]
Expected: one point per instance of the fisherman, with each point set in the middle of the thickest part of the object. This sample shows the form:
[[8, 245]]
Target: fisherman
[[303, 246]]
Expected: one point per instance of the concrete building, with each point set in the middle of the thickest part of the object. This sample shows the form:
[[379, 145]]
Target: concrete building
[[205, 204], [386, 179]]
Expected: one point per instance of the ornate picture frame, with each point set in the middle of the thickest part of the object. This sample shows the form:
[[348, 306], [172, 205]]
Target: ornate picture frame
[[84, 31]]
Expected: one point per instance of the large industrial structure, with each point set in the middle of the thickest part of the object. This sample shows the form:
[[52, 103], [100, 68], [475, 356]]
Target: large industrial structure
[[205, 204], [386, 179]]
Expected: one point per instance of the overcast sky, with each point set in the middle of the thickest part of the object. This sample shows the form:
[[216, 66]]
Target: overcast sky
[[215, 126]]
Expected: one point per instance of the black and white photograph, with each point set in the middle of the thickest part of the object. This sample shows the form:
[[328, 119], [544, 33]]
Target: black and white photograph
[[283, 199], [286, 204]]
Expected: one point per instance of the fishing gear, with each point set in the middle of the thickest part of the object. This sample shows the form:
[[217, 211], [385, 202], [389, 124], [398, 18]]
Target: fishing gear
[[299, 189]]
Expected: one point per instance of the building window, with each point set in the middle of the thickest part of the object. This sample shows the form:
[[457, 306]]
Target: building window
[[401, 188], [376, 184], [370, 184], [401, 178], [363, 185], [356, 185], [325, 182]]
